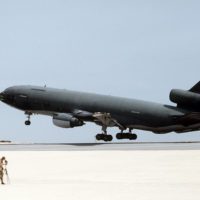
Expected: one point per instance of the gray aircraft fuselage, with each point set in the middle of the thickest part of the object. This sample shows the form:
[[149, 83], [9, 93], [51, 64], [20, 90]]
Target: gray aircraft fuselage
[[128, 113], [108, 111]]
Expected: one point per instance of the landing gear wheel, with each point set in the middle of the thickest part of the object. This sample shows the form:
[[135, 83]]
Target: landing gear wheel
[[108, 138], [99, 137], [105, 138], [27, 123], [119, 136], [133, 137], [129, 136]]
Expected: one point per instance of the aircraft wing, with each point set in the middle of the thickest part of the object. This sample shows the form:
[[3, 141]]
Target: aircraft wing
[[97, 117], [106, 119], [83, 115]]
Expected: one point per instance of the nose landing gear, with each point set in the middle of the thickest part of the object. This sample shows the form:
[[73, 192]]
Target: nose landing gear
[[28, 122]]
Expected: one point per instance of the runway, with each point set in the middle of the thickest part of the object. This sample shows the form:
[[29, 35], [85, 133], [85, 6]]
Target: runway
[[100, 147]]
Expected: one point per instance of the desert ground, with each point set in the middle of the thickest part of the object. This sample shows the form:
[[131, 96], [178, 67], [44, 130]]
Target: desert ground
[[102, 175]]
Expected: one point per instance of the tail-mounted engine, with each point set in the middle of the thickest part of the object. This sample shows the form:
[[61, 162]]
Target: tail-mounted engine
[[185, 98], [66, 121]]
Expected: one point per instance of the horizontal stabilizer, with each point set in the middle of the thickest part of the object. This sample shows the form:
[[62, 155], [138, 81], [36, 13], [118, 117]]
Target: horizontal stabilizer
[[196, 88]]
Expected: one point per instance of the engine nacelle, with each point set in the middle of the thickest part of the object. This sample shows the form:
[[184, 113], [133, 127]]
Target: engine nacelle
[[185, 98], [66, 121]]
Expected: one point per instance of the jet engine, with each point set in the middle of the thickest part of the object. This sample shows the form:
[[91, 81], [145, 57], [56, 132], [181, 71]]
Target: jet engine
[[66, 121], [185, 98]]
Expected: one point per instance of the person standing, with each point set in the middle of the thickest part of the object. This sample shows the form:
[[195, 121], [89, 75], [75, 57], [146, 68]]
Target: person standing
[[3, 162]]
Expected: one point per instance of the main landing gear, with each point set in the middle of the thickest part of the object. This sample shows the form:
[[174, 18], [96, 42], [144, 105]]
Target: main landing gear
[[129, 135], [120, 136], [28, 122], [104, 136]]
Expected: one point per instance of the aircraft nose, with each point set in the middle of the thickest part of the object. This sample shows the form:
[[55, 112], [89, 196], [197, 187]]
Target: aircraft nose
[[2, 96], [7, 95]]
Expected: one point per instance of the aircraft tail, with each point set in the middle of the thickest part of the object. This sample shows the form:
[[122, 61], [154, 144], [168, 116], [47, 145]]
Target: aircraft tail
[[196, 88], [185, 98]]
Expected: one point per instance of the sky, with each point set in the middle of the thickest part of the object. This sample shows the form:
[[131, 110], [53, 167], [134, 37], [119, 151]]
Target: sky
[[138, 49]]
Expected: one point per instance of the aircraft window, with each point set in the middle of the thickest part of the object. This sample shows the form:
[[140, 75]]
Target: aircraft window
[[23, 96], [40, 90]]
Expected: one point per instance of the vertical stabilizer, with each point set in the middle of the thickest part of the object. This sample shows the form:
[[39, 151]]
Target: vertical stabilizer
[[196, 88]]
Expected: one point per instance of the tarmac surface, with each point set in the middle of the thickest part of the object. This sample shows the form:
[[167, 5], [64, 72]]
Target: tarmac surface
[[100, 146]]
